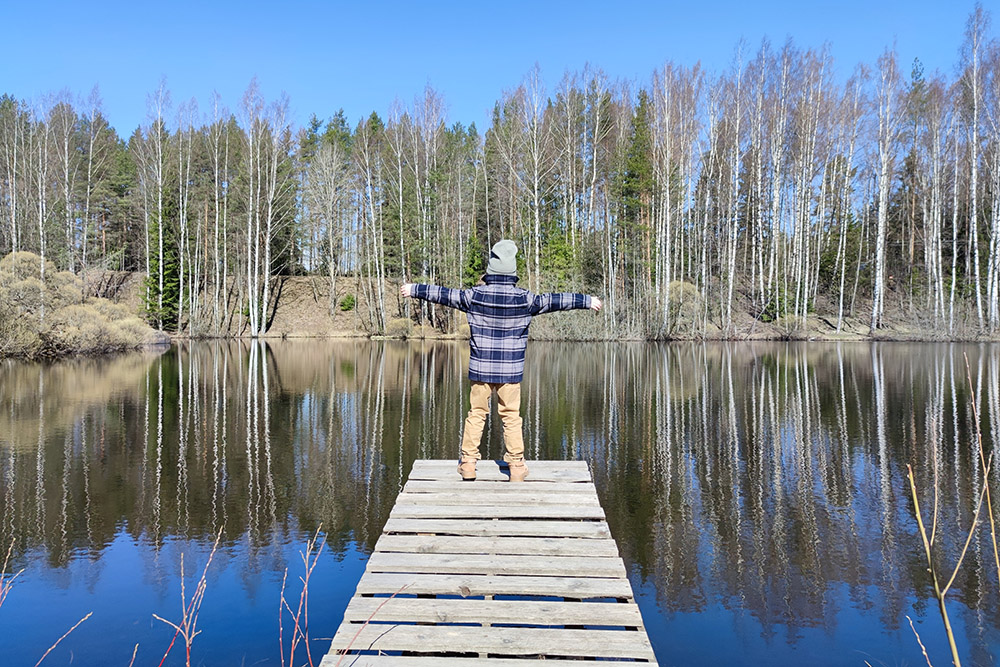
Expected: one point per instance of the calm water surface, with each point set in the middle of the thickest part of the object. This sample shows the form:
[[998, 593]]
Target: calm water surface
[[757, 492]]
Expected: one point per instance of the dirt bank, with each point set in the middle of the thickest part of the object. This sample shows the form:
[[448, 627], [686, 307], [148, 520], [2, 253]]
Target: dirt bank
[[301, 309]]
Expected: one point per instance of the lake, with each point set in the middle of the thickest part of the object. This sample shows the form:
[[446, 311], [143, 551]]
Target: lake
[[757, 491]]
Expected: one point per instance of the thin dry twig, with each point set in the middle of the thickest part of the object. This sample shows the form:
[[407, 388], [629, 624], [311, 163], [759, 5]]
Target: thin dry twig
[[51, 648], [986, 469], [134, 651], [187, 628], [968, 539], [300, 616], [281, 629], [7, 581], [932, 569], [984, 495], [343, 651], [922, 647]]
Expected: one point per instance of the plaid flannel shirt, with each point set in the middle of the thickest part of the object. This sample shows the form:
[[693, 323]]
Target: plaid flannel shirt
[[499, 314]]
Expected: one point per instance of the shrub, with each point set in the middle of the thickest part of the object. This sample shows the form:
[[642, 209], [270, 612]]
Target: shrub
[[348, 303], [23, 265], [399, 327], [62, 289], [424, 331], [24, 294], [111, 310], [17, 335], [69, 326], [684, 298]]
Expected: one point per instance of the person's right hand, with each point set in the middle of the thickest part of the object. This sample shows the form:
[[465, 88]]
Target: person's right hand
[[406, 290], [595, 304]]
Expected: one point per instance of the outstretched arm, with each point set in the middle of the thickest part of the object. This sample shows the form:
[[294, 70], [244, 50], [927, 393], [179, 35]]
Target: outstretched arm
[[546, 303], [446, 296]]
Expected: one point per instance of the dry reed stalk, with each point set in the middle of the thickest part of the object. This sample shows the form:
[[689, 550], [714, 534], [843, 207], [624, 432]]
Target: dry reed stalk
[[281, 629], [919, 641], [187, 628], [986, 470], [940, 592], [300, 616], [350, 644], [51, 648], [7, 580], [929, 542]]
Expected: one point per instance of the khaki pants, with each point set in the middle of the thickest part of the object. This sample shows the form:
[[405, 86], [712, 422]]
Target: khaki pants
[[509, 397]]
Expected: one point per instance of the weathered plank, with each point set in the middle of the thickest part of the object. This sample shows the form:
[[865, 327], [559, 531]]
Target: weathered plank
[[498, 487], [544, 466], [497, 512], [518, 612], [465, 498], [490, 471], [478, 585], [499, 640], [537, 546], [487, 528], [498, 570], [536, 566], [335, 660]]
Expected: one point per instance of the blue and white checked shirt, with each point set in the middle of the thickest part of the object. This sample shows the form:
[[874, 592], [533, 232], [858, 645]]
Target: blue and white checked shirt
[[499, 314]]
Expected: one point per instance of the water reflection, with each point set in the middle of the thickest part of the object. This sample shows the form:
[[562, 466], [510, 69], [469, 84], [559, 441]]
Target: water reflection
[[763, 485]]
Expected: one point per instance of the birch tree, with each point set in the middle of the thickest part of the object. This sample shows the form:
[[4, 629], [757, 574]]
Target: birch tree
[[972, 83], [887, 93], [62, 120], [14, 133], [328, 181]]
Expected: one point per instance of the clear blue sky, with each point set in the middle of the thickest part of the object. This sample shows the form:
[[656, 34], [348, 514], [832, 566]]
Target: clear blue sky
[[361, 56]]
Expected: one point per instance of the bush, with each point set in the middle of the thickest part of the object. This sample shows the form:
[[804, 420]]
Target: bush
[[399, 327], [348, 303], [69, 325], [17, 337], [25, 295], [21, 265], [110, 310], [424, 331]]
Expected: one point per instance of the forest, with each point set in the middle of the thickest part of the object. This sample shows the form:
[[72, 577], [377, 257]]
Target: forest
[[695, 203]]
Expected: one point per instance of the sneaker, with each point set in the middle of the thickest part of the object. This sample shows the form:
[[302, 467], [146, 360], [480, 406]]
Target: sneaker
[[467, 468], [518, 471]]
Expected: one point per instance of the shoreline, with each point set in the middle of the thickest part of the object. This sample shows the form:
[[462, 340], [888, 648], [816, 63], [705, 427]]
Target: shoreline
[[889, 337], [173, 339]]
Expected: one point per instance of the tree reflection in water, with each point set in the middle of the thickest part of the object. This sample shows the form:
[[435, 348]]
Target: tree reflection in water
[[757, 491]]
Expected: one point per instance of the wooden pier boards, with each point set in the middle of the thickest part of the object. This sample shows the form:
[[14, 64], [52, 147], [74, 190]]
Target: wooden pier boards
[[509, 574]]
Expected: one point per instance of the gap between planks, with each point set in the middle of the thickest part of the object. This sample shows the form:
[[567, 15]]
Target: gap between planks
[[542, 547]]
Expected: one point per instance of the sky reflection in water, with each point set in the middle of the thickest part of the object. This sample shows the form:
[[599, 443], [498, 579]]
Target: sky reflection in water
[[757, 491]]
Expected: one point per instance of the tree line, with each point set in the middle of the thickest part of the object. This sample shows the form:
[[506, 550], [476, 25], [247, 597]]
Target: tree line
[[696, 203]]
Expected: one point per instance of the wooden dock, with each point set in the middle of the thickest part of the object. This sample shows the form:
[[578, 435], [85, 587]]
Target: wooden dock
[[488, 572]]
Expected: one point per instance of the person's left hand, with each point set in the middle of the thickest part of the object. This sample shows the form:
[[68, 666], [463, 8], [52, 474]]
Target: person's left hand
[[595, 304]]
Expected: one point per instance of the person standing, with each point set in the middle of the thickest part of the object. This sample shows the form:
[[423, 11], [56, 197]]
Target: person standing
[[499, 314]]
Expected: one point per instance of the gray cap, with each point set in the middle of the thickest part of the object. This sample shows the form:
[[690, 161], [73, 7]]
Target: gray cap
[[503, 259]]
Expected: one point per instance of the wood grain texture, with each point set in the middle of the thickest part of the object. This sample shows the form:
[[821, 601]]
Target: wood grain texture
[[557, 642], [545, 545], [451, 548]]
